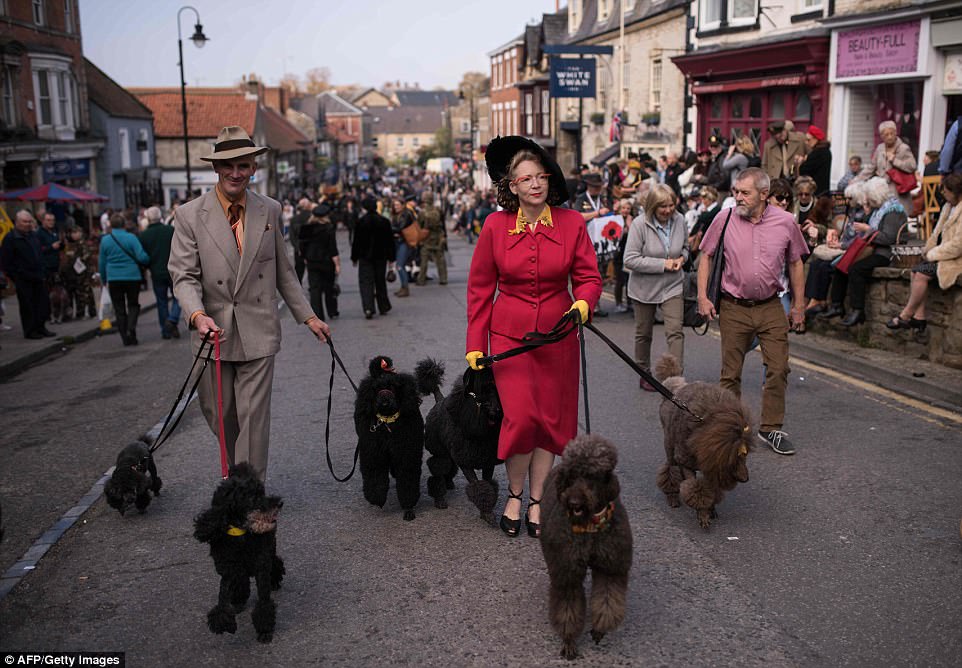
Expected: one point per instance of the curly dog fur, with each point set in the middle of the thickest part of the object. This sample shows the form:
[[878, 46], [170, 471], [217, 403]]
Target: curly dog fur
[[585, 526], [717, 447], [134, 478], [241, 528], [461, 433], [390, 433]]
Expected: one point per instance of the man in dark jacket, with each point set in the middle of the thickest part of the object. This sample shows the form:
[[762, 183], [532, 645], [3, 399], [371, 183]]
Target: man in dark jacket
[[300, 218], [20, 258], [373, 247], [156, 242], [318, 242]]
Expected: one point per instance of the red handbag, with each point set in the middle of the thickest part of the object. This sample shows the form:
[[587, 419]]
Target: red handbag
[[905, 182], [860, 249]]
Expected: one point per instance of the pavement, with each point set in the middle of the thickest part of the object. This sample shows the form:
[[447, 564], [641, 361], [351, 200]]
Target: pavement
[[935, 384], [18, 353]]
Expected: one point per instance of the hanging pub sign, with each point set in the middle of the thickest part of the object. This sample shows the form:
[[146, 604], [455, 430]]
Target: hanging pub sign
[[572, 77], [878, 50]]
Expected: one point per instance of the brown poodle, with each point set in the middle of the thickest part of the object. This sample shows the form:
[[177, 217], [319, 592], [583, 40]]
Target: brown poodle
[[584, 525], [718, 446]]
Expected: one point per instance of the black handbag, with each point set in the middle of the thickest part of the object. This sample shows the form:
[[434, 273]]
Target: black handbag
[[718, 267]]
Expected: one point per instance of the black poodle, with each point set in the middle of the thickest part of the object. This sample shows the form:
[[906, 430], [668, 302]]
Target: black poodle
[[585, 526], [134, 478], [390, 433], [461, 432], [241, 527]]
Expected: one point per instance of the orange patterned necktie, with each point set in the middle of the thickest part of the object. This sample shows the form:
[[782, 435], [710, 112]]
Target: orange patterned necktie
[[234, 218]]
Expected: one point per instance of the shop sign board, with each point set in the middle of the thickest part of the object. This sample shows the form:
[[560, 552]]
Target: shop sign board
[[878, 50], [952, 81], [572, 77], [59, 170]]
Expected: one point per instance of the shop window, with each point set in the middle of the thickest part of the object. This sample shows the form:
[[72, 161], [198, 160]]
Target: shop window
[[803, 107], [8, 111], [777, 108], [756, 135], [716, 106], [755, 106], [656, 72], [738, 106]]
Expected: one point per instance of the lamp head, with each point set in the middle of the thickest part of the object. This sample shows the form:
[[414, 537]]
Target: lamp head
[[199, 38]]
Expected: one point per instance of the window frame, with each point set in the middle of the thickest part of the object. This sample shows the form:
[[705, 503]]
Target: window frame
[[144, 136], [654, 91], [545, 112], [575, 11], [744, 20], [123, 142], [39, 13], [9, 94], [69, 17]]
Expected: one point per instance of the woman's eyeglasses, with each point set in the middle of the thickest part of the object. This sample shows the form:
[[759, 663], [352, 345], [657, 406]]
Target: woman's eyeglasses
[[528, 181], [780, 198]]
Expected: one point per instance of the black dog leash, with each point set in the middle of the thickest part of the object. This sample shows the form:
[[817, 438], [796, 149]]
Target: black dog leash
[[664, 391], [565, 326], [335, 358], [161, 436]]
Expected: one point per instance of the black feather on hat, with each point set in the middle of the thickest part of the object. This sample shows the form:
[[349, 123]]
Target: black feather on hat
[[501, 150]]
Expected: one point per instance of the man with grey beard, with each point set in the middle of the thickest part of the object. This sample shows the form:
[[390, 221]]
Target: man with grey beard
[[759, 241]]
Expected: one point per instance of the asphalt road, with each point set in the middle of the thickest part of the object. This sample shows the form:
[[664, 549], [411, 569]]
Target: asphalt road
[[846, 554]]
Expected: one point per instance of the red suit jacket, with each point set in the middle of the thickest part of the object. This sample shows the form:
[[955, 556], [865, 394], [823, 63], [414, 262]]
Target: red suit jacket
[[531, 273]]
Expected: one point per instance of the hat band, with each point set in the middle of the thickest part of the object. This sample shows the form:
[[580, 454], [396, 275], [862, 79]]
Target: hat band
[[231, 144]]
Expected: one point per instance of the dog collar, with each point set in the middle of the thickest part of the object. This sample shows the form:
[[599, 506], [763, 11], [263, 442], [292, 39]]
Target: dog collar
[[234, 531], [388, 419], [600, 521]]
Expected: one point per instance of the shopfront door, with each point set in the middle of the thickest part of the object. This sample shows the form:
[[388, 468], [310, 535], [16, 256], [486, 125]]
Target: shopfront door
[[900, 102]]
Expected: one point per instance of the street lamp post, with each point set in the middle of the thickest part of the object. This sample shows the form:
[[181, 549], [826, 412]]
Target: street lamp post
[[471, 122], [199, 39]]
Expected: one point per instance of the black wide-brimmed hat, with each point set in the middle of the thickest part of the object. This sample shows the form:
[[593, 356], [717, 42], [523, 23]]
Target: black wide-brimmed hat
[[502, 149]]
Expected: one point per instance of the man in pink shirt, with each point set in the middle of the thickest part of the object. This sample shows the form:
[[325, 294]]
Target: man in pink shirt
[[759, 242]]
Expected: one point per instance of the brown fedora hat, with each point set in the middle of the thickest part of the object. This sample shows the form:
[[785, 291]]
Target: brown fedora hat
[[233, 142]]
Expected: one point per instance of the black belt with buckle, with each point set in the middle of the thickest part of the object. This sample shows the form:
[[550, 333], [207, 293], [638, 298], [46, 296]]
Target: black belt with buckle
[[749, 302]]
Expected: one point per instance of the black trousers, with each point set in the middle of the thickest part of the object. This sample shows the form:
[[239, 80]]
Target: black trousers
[[373, 285], [320, 283], [819, 278], [856, 282], [34, 302], [299, 265]]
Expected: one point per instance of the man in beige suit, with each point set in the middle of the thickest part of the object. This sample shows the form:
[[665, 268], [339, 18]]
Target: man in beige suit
[[228, 262]]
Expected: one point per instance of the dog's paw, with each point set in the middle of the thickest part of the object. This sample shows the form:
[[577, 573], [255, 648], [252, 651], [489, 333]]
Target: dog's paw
[[597, 636], [220, 621], [265, 637], [704, 519], [489, 518], [408, 515], [569, 650], [441, 504], [673, 501]]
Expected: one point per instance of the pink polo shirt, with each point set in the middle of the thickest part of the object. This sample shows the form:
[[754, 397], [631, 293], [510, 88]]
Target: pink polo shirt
[[755, 254]]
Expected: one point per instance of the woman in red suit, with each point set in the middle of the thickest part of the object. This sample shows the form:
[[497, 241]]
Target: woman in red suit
[[528, 253]]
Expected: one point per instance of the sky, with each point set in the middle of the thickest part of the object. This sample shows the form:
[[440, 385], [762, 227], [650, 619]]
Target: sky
[[365, 42]]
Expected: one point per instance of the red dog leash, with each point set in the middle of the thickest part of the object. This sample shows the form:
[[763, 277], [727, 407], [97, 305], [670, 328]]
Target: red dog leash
[[220, 408]]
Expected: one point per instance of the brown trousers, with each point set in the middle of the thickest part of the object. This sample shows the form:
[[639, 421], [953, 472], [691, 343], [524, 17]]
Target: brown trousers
[[739, 326], [247, 409], [673, 311]]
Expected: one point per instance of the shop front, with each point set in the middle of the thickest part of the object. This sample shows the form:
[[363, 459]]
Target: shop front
[[741, 91], [884, 71]]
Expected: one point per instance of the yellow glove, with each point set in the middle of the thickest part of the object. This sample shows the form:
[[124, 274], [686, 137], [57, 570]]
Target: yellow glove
[[473, 358], [582, 307]]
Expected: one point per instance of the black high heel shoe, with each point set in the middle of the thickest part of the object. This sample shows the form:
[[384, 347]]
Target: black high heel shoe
[[918, 325], [534, 529], [509, 526]]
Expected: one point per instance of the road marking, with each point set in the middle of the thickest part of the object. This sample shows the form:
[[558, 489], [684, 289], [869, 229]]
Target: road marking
[[875, 389]]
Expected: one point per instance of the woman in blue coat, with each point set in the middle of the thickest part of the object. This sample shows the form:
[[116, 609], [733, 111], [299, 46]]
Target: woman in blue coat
[[121, 258]]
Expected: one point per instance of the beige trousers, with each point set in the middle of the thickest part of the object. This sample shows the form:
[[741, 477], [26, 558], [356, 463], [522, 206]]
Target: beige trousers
[[247, 409], [673, 311]]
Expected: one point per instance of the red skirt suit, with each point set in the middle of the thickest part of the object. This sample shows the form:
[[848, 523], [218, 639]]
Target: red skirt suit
[[531, 272]]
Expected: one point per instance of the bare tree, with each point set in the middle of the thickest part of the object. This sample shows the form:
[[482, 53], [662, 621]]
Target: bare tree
[[474, 85], [317, 80], [291, 82]]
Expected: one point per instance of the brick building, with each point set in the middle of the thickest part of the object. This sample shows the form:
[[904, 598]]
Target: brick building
[[44, 120]]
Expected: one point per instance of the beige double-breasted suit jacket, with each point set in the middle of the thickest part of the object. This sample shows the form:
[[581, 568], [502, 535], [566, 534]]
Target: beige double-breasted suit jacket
[[239, 291]]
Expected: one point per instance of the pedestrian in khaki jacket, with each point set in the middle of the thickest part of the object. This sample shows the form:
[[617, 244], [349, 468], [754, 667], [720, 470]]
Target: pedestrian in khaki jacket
[[228, 261], [432, 249], [782, 152]]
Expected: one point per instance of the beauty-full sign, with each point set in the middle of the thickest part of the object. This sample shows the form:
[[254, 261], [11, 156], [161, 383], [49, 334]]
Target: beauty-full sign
[[878, 50]]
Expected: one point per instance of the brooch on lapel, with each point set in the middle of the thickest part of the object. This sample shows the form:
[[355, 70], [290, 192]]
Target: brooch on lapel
[[268, 227]]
